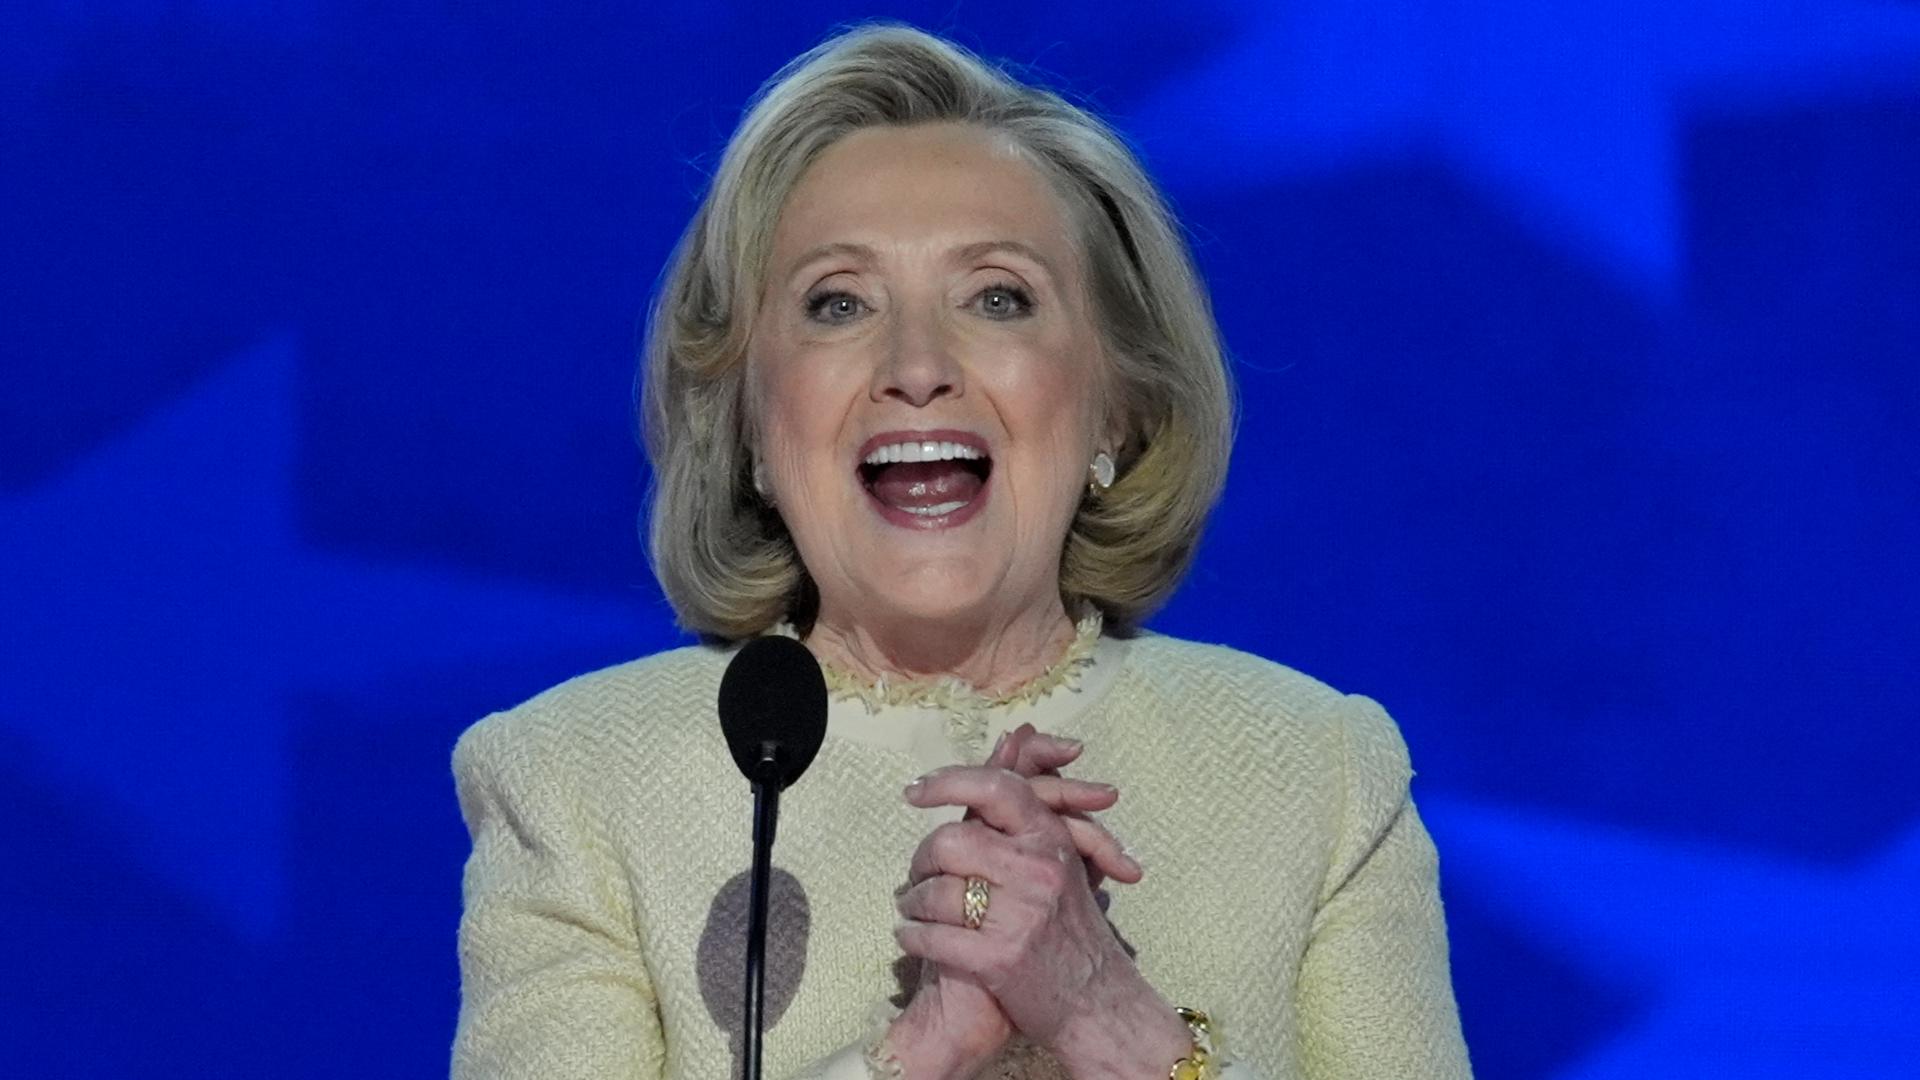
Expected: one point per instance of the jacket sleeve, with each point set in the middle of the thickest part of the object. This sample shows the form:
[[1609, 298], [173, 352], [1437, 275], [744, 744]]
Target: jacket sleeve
[[553, 984], [552, 981], [1376, 998]]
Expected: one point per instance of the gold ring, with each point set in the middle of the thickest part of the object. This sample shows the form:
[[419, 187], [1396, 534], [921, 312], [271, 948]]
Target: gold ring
[[973, 905]]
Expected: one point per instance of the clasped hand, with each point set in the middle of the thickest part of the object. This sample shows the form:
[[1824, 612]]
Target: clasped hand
[[1043, 961]]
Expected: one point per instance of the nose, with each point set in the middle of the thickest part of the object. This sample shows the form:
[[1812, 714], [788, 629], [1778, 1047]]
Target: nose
[[920, 366]]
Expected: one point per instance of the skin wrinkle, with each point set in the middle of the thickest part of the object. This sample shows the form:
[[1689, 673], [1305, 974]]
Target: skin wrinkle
[[862, 256]]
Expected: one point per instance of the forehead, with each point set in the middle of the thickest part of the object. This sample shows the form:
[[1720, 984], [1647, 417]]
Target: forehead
[[926, 184]]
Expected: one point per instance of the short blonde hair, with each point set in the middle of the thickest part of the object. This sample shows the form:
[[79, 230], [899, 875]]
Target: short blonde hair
[[723, 557]]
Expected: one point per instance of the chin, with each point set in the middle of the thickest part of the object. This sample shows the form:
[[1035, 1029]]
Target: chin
[[932, 594]]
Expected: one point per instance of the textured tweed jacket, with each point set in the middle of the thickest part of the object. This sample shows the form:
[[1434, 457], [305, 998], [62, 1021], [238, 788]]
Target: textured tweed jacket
[[1291, 890]]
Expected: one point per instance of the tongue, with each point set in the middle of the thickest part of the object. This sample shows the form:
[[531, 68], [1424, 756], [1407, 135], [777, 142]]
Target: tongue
[[918, 485]]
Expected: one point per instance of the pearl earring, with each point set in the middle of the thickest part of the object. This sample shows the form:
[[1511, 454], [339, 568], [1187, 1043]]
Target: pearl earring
[[1102, 470]]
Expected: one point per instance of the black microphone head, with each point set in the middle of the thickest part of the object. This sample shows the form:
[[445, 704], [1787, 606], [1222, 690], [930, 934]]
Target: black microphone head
[[773, 709]]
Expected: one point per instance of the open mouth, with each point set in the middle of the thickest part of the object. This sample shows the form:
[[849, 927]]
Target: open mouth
[[926, 480]]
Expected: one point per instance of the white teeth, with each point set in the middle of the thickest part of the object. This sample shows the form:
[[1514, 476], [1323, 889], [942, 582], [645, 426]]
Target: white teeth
[[940, 510], [922, 451]]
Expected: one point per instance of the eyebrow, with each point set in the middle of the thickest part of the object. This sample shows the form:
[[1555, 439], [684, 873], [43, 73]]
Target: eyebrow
[[990, 247], [859, 253], [866, 256]]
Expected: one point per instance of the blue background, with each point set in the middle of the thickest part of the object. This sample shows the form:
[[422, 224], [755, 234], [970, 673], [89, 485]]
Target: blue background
[[1578, 353]]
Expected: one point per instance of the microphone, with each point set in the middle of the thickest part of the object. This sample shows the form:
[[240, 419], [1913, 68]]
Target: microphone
[[773, 711]]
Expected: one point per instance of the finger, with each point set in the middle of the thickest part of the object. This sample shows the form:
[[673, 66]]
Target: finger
[[953, 948], [1010, 748], [1004, 800], [1007, 750], [964, 849], [1102, 850], [1075, 801], [1072, 799], [1095, 879], [1002, 757], [1042, 753], [941, 899], [1064, 795]]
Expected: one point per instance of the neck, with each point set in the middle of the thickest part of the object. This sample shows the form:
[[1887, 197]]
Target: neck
[[993, 655]]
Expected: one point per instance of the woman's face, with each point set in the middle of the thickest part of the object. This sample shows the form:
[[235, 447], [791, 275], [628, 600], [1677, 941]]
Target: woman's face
[[925, 377]]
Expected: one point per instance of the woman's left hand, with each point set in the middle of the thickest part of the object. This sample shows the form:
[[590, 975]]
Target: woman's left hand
[[1044, 949]]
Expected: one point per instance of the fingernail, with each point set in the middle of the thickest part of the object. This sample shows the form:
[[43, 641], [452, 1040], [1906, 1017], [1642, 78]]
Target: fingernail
[[997, 744], [914, 787], [1108, 789], [1132, 859]]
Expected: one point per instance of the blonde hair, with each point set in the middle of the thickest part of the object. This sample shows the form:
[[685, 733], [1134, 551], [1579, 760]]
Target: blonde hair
[[721, 553]]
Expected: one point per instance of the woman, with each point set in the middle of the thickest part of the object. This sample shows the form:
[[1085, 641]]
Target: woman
[[932, 386]]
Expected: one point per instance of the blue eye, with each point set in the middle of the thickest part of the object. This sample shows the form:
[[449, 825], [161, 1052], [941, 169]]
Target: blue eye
[[834, 307], [1004, 302]]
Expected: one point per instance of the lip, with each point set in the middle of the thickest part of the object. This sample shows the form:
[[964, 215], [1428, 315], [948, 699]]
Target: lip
[[900, 518]]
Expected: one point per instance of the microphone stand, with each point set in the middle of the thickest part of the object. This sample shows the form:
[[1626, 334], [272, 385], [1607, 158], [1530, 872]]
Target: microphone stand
[[766, 812]]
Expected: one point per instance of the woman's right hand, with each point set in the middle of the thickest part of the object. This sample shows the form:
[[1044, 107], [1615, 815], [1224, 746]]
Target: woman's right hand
[[953, 1025]]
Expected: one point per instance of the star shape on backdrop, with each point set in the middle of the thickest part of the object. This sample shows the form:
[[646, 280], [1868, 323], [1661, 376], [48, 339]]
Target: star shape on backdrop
[[1569, 113], [167, 564], [1755, 965]]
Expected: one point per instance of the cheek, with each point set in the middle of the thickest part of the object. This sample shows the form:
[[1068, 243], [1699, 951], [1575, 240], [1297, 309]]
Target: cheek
[[789, 408], [1050, 409], [801, 416], [1058, 399]]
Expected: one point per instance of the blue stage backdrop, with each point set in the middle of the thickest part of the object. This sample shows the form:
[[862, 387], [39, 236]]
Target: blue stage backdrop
[[1578, 353]]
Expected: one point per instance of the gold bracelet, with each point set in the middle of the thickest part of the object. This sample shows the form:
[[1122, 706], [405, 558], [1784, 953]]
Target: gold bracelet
[[1203, 1061]]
